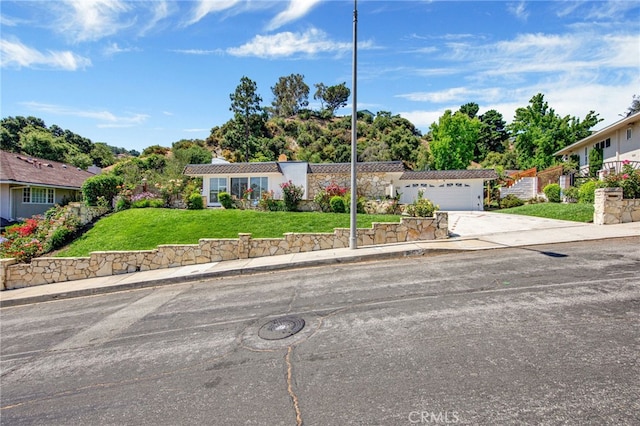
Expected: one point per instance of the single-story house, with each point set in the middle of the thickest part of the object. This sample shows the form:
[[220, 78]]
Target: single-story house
[[619, 141], [31, 186], [451, 189]]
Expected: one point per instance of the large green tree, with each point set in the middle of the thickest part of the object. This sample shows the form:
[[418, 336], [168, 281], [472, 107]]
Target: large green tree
[[332, 97], [493, 135], [248, 115], [540, 132], [453, 140], [290, 94]]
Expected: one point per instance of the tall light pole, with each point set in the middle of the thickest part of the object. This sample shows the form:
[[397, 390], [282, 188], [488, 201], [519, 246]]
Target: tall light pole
[[353, 237]]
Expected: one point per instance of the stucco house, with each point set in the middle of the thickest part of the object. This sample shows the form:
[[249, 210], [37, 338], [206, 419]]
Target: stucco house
[[451, 190], [619, 141], [31, 186]]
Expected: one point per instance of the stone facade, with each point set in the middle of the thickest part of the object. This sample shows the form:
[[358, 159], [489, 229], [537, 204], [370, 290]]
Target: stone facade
[[46, 270], [611, 208], [374, 185]]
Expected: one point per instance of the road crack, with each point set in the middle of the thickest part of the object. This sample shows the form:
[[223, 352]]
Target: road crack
[[292, 394]]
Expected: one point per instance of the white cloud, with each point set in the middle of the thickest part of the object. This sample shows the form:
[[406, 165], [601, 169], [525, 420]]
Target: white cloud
[[16, 54], [198, 51], [113, 49], [455, 94], [285, 44], [90, 20], [108, 118], [295, 10], [205, 7], [519, 10]]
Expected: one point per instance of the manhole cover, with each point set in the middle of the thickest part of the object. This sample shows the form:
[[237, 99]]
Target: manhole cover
[[281, 328]]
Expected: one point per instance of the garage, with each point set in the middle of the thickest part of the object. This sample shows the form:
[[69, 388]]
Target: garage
[[449, 189]]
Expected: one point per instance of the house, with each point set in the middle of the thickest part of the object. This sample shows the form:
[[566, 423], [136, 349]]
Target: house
[[451, 190], [619, 142], [31, 186]]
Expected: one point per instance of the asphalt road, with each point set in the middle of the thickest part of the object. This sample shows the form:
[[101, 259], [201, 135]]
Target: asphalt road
[[540, 335]]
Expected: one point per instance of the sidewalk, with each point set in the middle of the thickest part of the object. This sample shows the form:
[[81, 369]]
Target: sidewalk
[[471, 231]]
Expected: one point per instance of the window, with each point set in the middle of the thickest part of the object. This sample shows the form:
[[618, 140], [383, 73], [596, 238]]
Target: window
[[216, 186], [258, 186], [607, 143], [38, 195], [629, 133], [238, 186]]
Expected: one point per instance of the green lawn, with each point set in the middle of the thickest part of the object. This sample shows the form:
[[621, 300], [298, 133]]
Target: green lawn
[[577, 212], [143, 229]]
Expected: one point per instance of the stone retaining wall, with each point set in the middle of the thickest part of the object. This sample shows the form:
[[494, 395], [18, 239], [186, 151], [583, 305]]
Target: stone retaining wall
[[46, 270], [611, 208]]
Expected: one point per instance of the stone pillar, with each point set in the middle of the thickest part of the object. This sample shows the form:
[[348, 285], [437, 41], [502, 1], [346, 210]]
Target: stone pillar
[[4, 264], [244, 245], [607, 206]]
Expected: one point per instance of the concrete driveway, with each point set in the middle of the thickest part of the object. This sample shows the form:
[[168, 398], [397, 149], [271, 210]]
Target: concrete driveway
[[475, 223]]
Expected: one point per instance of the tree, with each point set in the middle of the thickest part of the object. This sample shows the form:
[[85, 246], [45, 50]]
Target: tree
[[291, 94], [470, 109], [453, 140], [245, 104], [540, 132], [42, 144], [634, 107], [321, 90], [336, 96], [493, 135], [101, 154]]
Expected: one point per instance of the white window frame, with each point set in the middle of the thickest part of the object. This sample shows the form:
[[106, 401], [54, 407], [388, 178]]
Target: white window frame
[[37, 195], [216, 189]]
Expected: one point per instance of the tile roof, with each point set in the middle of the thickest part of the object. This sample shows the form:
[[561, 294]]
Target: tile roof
[[231, 168], [486, 174], [369, 167], [26, 170]]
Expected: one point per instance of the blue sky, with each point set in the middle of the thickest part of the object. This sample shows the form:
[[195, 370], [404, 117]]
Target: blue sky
[[140, 73]]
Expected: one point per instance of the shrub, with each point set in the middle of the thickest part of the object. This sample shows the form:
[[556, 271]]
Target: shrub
[[104, 185], [122, 203], [552, 192], [337, 204], [571, 194], [628, 180], [510, 201], [269, 204], [146, 199], [421, 207], [59, 238], [586, 192], [292, 195], [323, 197], [194, 202], [226, 200]]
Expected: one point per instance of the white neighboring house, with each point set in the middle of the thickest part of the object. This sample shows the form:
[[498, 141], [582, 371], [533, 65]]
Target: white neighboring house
[[31, 186], [450, 189], [619, 142]]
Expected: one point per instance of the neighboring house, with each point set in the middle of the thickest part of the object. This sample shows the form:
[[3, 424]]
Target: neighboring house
[[451, 190], [619, 142], [31, 186]]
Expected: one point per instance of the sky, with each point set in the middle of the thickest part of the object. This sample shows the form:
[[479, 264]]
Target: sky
[[139, 73]]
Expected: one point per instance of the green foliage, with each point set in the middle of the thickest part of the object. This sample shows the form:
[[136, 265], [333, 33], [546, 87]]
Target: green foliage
[[225, 200], [337, 204], [421, 207], [103, 185], [292, 195], [290, 94], [628, 180], [571, 194], [324, 196], [595, 161], [248, 118], [552, 192], [586, 192], [267, 203], [540, 132], [454, 139], [510, 201], [194, 202]]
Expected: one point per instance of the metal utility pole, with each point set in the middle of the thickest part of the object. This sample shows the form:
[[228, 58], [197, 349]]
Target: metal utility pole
[[353, 237]]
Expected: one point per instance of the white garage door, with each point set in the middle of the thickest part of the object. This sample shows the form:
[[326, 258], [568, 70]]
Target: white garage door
[[448, 195]]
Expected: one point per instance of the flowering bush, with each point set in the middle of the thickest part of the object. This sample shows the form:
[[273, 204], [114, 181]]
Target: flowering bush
[[39, 234], [324, 196], [421, 207], [146, 199], [246, 194], [269, 204], [292, 195], [628, 180], [170, 190]]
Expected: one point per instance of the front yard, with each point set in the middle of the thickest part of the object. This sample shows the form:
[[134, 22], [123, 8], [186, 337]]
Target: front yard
[[144, 229]]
